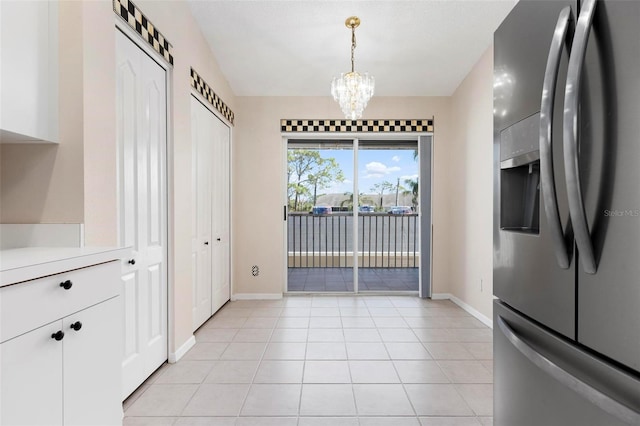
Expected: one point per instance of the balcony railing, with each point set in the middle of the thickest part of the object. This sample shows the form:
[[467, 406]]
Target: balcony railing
[[326, 241]]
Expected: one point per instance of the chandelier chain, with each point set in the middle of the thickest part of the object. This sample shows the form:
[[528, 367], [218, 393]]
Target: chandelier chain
[[353, 47]]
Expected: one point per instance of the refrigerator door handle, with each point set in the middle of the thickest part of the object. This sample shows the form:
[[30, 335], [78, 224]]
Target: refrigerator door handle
[[546, 138], [571, 163], [593, 395]]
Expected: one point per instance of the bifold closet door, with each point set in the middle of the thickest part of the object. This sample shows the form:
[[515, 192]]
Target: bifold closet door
[[210, 143], [141, 123], [221, 289], [202, 135]]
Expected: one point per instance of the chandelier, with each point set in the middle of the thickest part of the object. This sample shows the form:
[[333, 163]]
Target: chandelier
[[352, 90]]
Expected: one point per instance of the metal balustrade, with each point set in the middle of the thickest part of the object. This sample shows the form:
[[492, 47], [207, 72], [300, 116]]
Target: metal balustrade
[[326, 241]]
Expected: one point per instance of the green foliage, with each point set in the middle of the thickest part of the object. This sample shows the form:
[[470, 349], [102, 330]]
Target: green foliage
[[413, 191], [380, 188], [308, 172]]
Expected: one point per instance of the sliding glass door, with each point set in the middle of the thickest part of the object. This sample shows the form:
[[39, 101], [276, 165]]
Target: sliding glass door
[[388, 222], [346, 194], [320, 204]]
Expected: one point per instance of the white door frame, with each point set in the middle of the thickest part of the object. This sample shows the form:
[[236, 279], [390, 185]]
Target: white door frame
[[169, 171], [355, 137]]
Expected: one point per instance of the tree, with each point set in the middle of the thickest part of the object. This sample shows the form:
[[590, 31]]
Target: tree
[[307, 172], [326, 172], [380, 188], [413, 191], [398, 188]]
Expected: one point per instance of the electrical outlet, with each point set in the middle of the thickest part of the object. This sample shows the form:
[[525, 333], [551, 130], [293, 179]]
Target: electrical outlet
[[255, 270]]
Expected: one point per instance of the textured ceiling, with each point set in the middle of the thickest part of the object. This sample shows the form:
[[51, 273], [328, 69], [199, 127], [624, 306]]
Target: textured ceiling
[[295, 47]]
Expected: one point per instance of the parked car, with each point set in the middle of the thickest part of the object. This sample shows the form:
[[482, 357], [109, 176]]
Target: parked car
[[321, 210], [366, 209], [400, 210]]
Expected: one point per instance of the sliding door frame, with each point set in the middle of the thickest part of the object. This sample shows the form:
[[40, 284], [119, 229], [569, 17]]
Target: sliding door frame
[[426, 194]]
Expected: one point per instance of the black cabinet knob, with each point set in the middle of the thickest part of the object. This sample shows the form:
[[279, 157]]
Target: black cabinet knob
[[206, 243], [66, 284], [58, 335], [218, 239], [76, 325], [132, 262]]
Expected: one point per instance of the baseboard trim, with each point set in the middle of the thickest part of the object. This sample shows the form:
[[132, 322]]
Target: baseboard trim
[[182, 350], [470, 309], [256, 296], [441, 296]]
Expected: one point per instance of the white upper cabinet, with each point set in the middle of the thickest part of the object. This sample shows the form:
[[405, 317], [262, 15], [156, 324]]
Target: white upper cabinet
[[28, 71]]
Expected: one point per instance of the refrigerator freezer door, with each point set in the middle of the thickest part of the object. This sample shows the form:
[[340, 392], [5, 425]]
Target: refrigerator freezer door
[[543, 379], [527, 275], [609, 138]]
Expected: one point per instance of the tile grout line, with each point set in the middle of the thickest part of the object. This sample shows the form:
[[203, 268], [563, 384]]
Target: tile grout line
[[255, 373]]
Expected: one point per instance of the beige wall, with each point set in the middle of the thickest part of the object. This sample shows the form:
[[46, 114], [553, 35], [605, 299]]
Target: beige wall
[[43, 183], [175, 21], [259, 170], [76, 181], [471, 188]]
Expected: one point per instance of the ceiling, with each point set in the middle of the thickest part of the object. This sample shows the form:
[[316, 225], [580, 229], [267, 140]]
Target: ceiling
[[295, 47]]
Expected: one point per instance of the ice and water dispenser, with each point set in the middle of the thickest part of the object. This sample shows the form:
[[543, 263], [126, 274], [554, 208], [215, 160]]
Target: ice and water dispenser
[[520, 176]]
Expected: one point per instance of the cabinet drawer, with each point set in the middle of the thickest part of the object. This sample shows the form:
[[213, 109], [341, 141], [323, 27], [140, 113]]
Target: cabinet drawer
[[28, 305]]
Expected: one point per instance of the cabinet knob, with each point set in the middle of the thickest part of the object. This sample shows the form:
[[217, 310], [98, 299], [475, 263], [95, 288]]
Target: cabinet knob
[[132, 262], [206, 243], [58, 335], [76, 325], [218, 239], [66, 284]]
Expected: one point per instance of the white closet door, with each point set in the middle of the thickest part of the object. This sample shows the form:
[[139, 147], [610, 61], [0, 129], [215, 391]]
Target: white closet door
[[210, 235], [221, 231], [201, 243], [141, 137]]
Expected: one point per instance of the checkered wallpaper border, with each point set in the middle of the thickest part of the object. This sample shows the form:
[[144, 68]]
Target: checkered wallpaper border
[[425, 125], [130, 13], [205, 90]]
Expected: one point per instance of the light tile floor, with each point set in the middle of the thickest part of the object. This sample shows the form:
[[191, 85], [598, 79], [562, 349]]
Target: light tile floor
[[327, 360]]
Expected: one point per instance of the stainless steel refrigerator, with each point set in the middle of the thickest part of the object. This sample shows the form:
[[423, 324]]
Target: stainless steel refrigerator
[[567, 214]]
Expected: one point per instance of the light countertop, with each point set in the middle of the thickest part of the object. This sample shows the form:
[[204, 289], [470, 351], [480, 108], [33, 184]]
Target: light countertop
[[23, 264]]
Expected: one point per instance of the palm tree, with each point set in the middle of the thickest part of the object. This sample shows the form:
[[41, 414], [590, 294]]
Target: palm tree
[[413, 191]]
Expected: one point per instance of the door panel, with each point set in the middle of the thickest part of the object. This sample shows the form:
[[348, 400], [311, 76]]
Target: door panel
[[30, 372], [426, 155], [526, 273], [608, 314], [531, 391], [389, 253], [141, 130], [321, 251], [210, 243], [201, 145], [220, 214], [97, 342], [521, 46]]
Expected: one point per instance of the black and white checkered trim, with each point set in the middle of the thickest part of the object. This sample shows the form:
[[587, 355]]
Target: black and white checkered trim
[[425, 125], [136, 20], [205, 90]]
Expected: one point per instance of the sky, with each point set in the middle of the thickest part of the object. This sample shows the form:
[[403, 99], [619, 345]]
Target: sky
[[374, 166]]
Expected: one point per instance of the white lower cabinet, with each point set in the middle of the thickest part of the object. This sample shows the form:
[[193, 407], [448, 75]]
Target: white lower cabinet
[[31, 378], [67, 372], [91, 378]]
